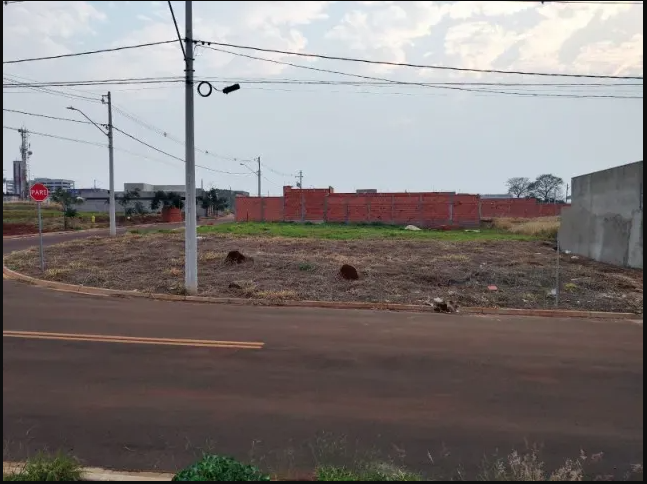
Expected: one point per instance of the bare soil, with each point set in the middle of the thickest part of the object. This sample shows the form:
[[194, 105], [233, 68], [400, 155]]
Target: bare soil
[[523, 273], [25, 227]]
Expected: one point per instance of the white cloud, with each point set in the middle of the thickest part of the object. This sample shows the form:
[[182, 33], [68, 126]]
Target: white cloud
[[504, 35], [273, 24], [388, 31], [479, 44], [46, 27]]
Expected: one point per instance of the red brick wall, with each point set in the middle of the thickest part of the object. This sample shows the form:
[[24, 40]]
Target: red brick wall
[[518, 207], [432, 209]]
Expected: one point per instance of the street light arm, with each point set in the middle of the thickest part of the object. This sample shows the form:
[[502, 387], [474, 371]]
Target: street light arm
[[254, 172], [71, 108]]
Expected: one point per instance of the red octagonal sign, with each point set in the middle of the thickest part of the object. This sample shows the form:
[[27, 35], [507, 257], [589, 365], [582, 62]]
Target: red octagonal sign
[[38, 192]]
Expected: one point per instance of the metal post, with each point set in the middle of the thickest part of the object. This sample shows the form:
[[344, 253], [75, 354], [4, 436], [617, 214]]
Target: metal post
[[259, 176], [40, 238], [190, 223], [111, 169]]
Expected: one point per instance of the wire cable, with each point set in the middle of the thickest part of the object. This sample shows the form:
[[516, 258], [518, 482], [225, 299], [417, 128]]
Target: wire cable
[[88, 52], [177, 29], [456, 88], [46, 116], [172, 156], [402, 64], [176, 79], [169, 136], [103, 145], [54, 92]]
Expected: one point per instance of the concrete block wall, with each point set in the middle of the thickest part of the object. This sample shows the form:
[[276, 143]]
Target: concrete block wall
[[605, 221], [429, 209]]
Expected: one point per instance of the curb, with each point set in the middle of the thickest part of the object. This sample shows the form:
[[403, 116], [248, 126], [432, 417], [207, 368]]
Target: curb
[[86, 231], [99, 291], [98, 474]]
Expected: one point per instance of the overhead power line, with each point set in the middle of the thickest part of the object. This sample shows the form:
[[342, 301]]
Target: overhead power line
[[172, 156], [103, 145], [177, 29], [56, 118], [169, 136], [403, 64], [89, 52], [178, 79], [391, 81]]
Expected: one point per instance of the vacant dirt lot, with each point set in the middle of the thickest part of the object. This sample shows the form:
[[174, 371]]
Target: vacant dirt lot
[[399, 271]]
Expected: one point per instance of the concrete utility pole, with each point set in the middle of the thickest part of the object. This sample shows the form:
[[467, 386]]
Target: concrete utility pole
[[107, 99], [300, 182], [111, 169], [190, 222], [24, 160], [258, 174]]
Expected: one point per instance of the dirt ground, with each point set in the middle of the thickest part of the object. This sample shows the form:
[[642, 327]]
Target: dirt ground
[[22, 227], [397, 271]]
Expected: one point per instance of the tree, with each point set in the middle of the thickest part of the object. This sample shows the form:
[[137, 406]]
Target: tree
[[125, 200], [212, 202], [166, 200], [67, 202], [519, 186], [547, 188]]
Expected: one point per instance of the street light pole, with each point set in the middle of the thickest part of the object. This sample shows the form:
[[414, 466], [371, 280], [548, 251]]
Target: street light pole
[[190, 222], [111, 161]]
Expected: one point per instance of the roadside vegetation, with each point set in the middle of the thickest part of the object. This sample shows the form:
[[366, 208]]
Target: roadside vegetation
[[543, 227], [517, 466], [281, 262], [21, 218], [356, 232], [45, 468]]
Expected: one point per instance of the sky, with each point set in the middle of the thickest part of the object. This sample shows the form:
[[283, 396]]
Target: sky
[[386, 127]]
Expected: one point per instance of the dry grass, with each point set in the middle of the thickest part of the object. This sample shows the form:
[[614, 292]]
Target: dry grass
[[544, 227], [396, 271]]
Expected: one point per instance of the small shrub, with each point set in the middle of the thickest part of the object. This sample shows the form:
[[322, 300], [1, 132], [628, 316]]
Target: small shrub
[[220, 468], [306, 266], [46, 468], [369, 473]]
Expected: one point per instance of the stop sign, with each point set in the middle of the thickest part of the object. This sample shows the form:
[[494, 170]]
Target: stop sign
[[38, 192]]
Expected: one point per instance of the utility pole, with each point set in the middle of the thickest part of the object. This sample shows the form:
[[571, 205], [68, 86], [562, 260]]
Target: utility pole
[[303, 198], [23, 189], [111, 169], [190, 222], [258, 174], [107, 99]]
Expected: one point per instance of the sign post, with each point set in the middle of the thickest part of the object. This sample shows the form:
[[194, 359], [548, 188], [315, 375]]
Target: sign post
[[39, 193]]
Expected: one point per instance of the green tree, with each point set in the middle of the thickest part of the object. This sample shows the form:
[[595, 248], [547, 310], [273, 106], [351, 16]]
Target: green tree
[[166, 200], [212, 202], [126, 199], [68, 203]]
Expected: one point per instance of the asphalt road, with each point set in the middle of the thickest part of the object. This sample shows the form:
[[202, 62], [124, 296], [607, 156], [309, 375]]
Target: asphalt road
[[407, 385]]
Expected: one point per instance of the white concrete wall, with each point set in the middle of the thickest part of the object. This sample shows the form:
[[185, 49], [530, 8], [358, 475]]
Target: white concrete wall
[[606, 217]]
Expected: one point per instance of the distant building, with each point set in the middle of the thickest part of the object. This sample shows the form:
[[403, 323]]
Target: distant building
[[366, 190], [55, 183]]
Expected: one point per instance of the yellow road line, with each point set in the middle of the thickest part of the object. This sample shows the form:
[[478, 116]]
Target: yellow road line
[[132, 340]]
